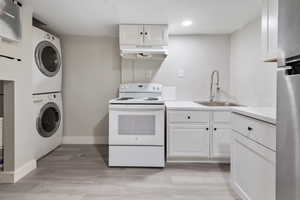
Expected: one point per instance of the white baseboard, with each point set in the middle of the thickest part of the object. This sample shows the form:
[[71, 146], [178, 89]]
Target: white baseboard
[[13, 177], [85, 140]]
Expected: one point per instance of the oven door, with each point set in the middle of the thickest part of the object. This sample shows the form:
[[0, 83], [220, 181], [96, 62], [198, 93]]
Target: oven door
[[136, 125]]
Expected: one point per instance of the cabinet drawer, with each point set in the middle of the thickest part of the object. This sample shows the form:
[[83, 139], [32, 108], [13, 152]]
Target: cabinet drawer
[[221, 117], [259, 131], [189, 116], [264, 133], [187, 126], [241, 124]]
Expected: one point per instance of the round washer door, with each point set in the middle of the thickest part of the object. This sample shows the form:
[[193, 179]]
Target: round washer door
[[47, 58], [49, 120]]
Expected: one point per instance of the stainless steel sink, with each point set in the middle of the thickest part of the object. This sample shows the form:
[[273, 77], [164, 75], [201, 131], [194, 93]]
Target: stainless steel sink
[[217, 103]]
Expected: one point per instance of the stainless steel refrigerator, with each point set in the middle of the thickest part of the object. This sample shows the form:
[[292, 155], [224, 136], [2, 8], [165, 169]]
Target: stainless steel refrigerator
[[288, 102]]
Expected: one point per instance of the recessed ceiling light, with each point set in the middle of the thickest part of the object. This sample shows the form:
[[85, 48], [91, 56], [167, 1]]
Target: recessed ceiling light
[[187, 23]]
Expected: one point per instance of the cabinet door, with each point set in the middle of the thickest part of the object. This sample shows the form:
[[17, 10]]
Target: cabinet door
[[270, 30], [252, 169], [188, 142], [131, 34], [155, 35], [221, 140]]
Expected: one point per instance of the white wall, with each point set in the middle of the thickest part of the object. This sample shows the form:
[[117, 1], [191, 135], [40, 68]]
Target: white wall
[[194, 56], [92, 74], [21, 132], [252, 81], [91, 77], [197, 56]]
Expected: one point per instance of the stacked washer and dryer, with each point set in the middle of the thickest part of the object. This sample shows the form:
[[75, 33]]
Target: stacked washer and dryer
[[47, 88]]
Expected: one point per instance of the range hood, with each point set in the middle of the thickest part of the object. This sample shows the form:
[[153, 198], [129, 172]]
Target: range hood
[[153, 53], [143, 41]]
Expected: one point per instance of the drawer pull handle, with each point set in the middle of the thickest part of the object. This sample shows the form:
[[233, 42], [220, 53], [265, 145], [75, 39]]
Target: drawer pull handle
[[250, 129]]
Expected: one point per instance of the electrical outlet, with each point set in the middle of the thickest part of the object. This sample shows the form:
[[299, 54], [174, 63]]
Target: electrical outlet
[[180, 73]]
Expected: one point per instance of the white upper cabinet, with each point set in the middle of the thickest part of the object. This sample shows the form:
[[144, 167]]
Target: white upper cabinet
[[143, 35], [156, 35], [270, 30], [131, 34]]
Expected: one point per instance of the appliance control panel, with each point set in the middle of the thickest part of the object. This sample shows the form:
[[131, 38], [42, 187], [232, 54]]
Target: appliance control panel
[[141, 87], [52, 96], [49, 37]]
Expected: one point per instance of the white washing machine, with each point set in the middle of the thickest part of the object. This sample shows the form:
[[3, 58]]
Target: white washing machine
[[48, 111], [47, 62]]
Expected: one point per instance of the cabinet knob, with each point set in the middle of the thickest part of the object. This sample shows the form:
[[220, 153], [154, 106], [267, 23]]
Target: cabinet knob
[[146, 33], [250, 129], [215, 129], [207, 129], [141, 33], [189, 117]]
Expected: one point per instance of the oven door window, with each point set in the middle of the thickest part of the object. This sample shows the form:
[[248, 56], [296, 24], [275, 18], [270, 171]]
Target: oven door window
[[136, 125]]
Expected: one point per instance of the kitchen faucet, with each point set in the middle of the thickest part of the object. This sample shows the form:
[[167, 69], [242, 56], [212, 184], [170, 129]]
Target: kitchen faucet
[[212, 96]]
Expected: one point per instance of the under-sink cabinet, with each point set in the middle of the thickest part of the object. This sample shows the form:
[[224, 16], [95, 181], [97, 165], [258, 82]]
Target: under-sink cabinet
[[198, 136], [253, 158]]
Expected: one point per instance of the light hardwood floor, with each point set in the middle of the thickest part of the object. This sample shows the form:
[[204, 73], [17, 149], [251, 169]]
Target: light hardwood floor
[[79, 172]]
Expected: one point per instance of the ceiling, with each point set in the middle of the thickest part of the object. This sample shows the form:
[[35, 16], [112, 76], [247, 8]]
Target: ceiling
[[101, 17]]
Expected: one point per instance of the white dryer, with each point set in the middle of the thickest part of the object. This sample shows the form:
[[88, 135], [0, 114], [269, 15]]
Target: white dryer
[[47, 63], [48, 113]]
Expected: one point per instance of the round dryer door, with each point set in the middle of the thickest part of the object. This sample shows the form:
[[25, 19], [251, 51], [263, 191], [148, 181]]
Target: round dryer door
[[47, 58], [49, 120]]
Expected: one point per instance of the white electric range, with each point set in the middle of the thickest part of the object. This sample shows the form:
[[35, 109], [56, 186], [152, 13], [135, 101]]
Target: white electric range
[[137, 127]]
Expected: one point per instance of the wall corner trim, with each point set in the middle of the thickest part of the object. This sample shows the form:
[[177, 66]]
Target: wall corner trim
[[85, 140], [13, 177]]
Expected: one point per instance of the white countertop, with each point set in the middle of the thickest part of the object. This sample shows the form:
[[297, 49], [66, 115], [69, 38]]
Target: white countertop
[[190, 105], [267, 114]]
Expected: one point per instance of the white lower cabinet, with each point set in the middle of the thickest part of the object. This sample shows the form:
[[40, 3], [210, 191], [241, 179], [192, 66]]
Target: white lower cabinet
[[185, 141], [221, 140], [198, 136], [252, 163]]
